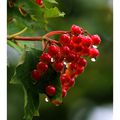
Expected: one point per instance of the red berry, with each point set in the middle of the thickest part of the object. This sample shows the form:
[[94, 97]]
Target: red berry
[[42, 67], [64, 78], [65, 50], [93, 52], [39, 2], [58, 66], [36, 74], [78, 48], [96, 39], [50, 90], [71, 82], [73, 66], [59, 57], [86, 41], [53, 50], [71, 45], [85, 51], [71, 56], [65, 39], [45, 57], [76, 30], [79, 70], [82, 62], [76, 39], [64, 92]]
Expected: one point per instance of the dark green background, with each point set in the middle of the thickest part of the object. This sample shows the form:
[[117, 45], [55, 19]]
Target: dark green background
[[95, 86]]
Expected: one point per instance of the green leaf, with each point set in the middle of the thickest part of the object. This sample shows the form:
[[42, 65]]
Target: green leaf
[[52, 1], [53, 12], [32, 89]]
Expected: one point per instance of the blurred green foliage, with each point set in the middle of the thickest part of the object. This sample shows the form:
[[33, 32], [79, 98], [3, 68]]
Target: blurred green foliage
[[95, 86]]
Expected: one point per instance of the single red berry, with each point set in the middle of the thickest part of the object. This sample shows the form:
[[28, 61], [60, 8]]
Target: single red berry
[[36, 74], [76, 39], [71, 56], [39, 2], [71, 45], [64, 92], [79, 70], [65, 39], [73, 66], [96, 39], [50, 90], [59, 57], [45, 57], [53, 50], [85, 51], [82, 62], [64, 78], [86, 41], [78, 48], [76, 30], [71, 82], [42, 67], [58, 65], [65, 50], [93, 52]]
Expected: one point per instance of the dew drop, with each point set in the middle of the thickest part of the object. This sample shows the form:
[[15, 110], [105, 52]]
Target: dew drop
[[65, 63], [52, 60], [46, 99], [93, 59], [94, 46]]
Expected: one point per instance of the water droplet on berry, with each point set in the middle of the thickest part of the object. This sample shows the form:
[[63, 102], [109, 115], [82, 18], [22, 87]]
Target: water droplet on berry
[[93, 59], [94, 46], [46, 99], [52, 60], [65, 63]]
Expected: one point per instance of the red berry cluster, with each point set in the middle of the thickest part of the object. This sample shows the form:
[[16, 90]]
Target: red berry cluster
[[66, 57]]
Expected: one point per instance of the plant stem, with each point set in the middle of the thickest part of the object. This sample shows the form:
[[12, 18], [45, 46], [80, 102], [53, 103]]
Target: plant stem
[[18, 33], [55, 33]]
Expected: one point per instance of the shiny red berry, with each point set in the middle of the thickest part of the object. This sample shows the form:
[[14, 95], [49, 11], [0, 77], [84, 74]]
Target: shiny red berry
[[64, 78], [85, 51], [71, 56], [45, 57], [58, 65], [73, 66], [96, 39], [64, 92], [78, 48], [42, 67], [65, 39], [53, 50], [76, 30], [36, 74], [79, 70], [82, 62], [65, 50], [39, 2], [76, 39], [71, 82], [86, 41], [50, 90], [93, 52]]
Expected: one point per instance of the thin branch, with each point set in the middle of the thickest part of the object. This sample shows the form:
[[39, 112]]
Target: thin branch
[[55, 33], [18, 33], [23, 38]]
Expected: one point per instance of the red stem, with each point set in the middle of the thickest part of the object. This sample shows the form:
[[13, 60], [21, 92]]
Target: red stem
[[55, 33]]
